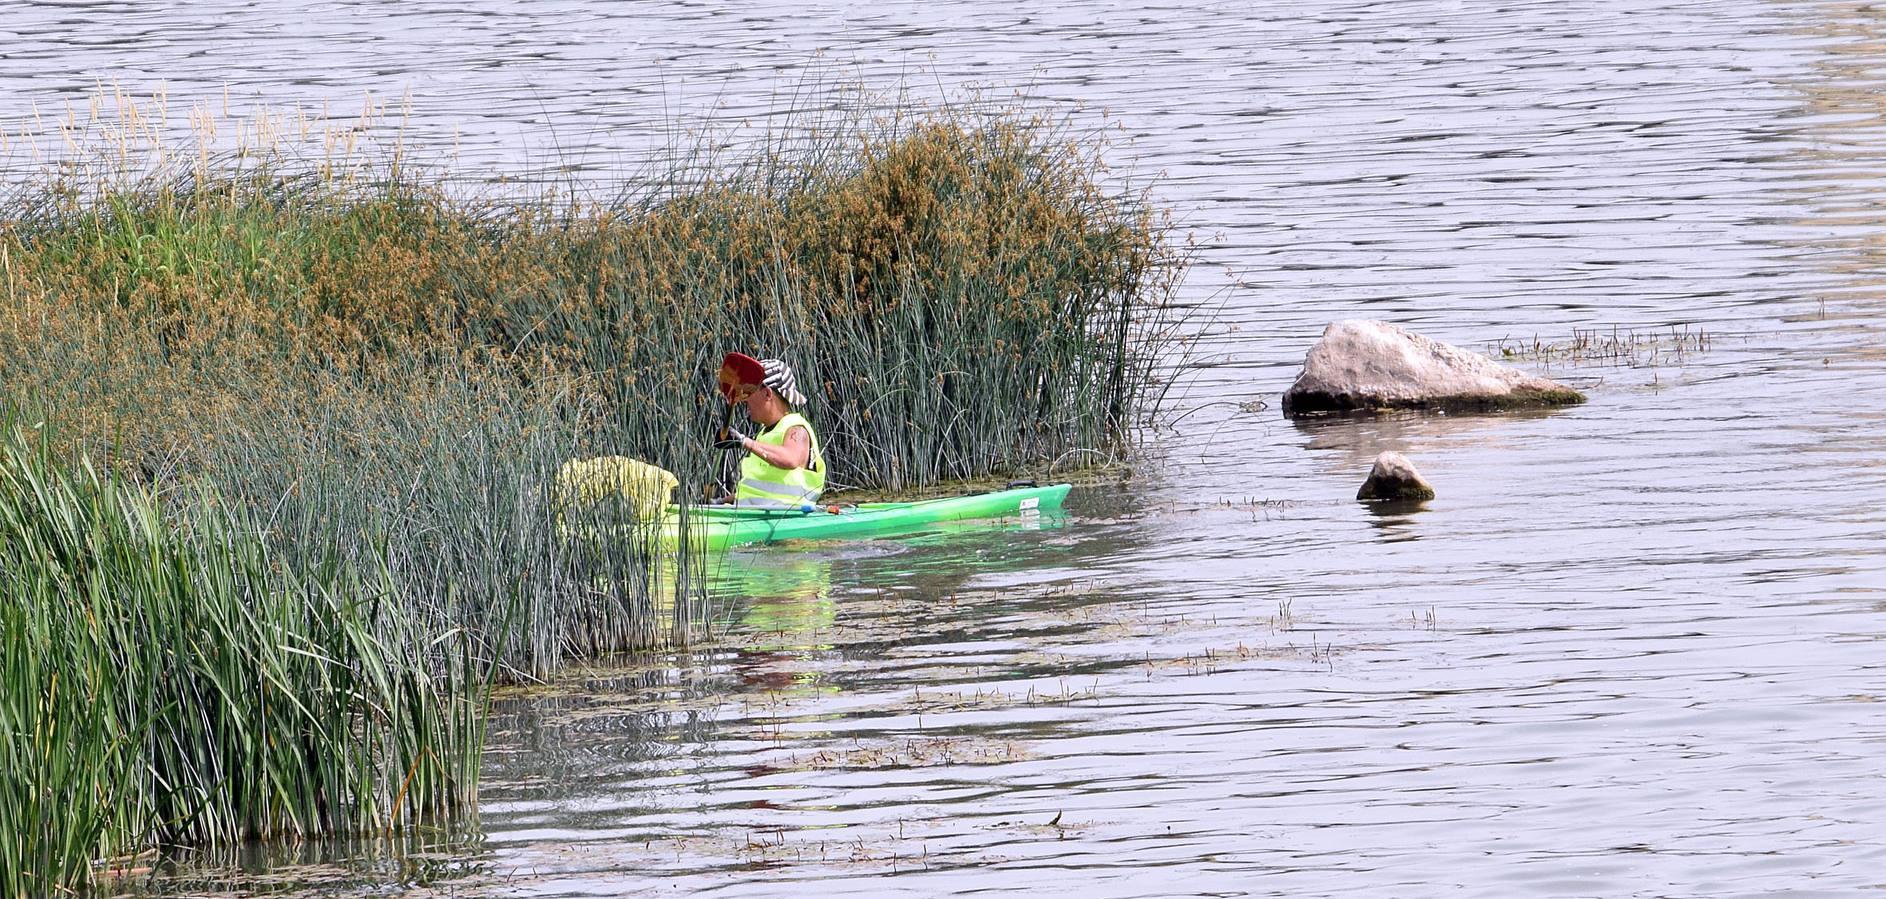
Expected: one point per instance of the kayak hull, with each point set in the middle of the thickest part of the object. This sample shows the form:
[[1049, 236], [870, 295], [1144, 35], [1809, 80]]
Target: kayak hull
[[718, 527]]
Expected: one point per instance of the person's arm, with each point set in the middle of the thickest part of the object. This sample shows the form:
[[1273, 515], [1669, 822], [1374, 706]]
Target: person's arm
[[796, 452]]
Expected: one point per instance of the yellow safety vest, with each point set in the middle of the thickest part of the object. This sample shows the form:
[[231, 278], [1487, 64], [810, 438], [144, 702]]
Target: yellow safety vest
[[765, 485]]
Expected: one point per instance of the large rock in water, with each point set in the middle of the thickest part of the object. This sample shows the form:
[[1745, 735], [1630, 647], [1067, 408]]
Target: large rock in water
[[1362, 365]]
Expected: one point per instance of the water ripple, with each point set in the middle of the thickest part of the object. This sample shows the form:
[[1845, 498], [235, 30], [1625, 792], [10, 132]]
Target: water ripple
[[1631, 649]]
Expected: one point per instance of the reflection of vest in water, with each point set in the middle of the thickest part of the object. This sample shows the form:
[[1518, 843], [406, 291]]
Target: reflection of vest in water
[[763, 484]]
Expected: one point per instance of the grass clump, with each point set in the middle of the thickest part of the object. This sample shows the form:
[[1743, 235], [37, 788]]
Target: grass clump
[[164, 679]]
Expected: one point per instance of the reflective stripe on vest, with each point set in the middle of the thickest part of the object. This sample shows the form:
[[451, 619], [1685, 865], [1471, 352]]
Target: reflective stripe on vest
[[765, 485]]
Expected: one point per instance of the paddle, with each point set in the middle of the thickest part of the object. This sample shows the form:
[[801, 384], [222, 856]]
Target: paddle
[[736, 369]]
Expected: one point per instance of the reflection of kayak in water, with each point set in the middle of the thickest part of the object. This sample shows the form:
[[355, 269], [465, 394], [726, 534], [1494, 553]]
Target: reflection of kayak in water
[[714, 527], [784, 621]]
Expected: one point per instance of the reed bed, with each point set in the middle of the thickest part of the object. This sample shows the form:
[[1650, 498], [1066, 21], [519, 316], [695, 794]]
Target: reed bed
[[316, 410], [963, 292], [164, 679], [381, 366]]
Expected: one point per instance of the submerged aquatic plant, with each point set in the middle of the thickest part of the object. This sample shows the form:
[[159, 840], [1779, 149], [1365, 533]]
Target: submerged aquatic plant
[[1618, 346]]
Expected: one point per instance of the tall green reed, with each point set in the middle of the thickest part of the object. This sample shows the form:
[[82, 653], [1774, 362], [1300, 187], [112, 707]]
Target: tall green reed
[[448, 485], [167, 680]]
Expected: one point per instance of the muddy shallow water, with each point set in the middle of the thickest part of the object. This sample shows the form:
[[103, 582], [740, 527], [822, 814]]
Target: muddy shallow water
[[1633, 648]]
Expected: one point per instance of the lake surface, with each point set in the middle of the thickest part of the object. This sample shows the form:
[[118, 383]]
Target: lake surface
[[1633, 648]]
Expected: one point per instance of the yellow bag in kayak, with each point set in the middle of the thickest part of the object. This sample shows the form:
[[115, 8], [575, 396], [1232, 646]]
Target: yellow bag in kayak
[[645, 487]]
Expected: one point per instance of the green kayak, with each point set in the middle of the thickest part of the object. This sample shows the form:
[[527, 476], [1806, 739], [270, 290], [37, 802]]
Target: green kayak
[[717, 527]]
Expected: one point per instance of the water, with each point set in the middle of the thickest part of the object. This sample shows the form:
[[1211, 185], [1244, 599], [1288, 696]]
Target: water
[[1631, 649]]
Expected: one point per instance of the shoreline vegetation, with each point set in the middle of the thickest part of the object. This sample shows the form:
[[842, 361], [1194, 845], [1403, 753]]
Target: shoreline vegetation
[[280, 433]]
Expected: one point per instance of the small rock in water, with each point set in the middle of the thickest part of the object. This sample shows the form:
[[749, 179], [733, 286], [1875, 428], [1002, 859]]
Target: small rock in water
[[1395, 478], [1361, 365]]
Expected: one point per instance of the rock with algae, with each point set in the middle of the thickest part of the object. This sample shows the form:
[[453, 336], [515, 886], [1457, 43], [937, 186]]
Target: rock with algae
[[1361, 365], [1394, 478]]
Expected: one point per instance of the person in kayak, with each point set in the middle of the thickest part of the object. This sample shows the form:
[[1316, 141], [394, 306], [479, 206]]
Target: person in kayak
[[783, 468]]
